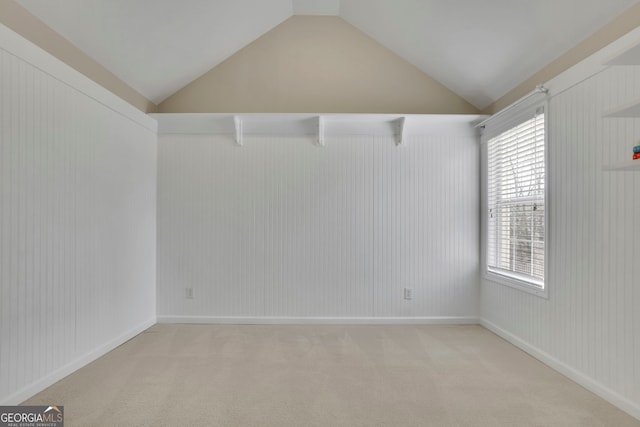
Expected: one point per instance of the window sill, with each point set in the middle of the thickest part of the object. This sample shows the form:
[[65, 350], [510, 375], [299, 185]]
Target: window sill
[[516, 284]]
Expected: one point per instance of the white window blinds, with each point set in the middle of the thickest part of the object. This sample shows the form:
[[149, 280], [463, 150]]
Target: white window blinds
[[516, 201]]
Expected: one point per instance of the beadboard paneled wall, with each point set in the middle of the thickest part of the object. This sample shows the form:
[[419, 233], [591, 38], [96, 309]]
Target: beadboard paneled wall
[[318, 220], [589, 328], [283, 229], [426, 227], [77, 220]]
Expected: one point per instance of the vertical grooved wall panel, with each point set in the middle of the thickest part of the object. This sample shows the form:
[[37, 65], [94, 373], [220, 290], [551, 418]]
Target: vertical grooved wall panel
[[210, 221], [77, 227], [591, 320], [426, 226], [318, 257], [283, 228]]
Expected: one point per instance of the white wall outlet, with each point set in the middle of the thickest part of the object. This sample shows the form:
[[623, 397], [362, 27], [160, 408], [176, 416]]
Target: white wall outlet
[[408, 293], [188, 293]]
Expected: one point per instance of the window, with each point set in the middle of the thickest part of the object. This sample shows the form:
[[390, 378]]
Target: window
[[516, 203]]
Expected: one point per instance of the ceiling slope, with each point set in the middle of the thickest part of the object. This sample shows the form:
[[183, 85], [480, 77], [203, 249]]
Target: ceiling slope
[[158, 46], [478, 49]]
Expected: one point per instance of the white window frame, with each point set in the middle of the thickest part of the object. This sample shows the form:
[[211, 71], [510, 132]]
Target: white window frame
[[493, 127]]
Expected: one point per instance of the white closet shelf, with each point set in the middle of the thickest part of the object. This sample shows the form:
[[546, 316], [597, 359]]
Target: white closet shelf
[[630, 165], [319, 125]]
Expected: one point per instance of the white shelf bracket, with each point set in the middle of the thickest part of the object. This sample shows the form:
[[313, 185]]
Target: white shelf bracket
[[400, 134], [237, 121], [321, 131]]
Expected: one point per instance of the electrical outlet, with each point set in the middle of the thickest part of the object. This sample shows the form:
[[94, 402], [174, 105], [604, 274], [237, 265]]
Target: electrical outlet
[[408, 293], [189, 293]]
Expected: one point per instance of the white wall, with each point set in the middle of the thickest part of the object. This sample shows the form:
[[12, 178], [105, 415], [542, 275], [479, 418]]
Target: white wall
[[281, 228], [589, 328], [77, 220]]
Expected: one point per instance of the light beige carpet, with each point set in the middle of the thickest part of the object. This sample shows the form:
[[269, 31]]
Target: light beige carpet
[[232, 375]]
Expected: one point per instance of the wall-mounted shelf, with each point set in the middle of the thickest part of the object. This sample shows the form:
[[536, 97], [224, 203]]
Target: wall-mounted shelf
[[631, 110], [628, 56], [319, 126], [630, 165]]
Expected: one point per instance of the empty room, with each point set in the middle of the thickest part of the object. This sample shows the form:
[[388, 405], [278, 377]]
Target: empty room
[[320, 213]]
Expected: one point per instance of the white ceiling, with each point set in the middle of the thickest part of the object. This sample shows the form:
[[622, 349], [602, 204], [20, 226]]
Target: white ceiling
[[316, 7], [478, 49]]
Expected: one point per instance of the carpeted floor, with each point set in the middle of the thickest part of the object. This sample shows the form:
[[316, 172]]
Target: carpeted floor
[[233, 375]]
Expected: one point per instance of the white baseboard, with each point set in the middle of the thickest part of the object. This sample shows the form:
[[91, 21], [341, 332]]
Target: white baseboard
[[320, 320], [585, 381], [55, 376]]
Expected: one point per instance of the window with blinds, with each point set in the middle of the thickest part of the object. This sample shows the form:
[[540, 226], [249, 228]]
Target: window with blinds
[[516, 202]]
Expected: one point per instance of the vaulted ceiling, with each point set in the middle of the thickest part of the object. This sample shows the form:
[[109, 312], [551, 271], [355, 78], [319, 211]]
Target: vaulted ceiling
[[478, 49]]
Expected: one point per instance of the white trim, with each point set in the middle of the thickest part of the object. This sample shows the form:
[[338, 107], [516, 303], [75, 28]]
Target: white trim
[[521, 285], [504, 121], [55, 376], [539, 90], [573, 374], [592, 65], [258, 320], [16, 45]]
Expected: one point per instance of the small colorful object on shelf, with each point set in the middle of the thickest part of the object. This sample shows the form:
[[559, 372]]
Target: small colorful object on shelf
[[636, 156], [636, 149]]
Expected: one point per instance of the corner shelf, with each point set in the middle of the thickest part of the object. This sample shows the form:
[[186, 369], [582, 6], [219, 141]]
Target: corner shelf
[[628, 56], [631, 110], [628, 166]]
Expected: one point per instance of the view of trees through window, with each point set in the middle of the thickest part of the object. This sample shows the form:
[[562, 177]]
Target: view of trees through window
[[516, 196]]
